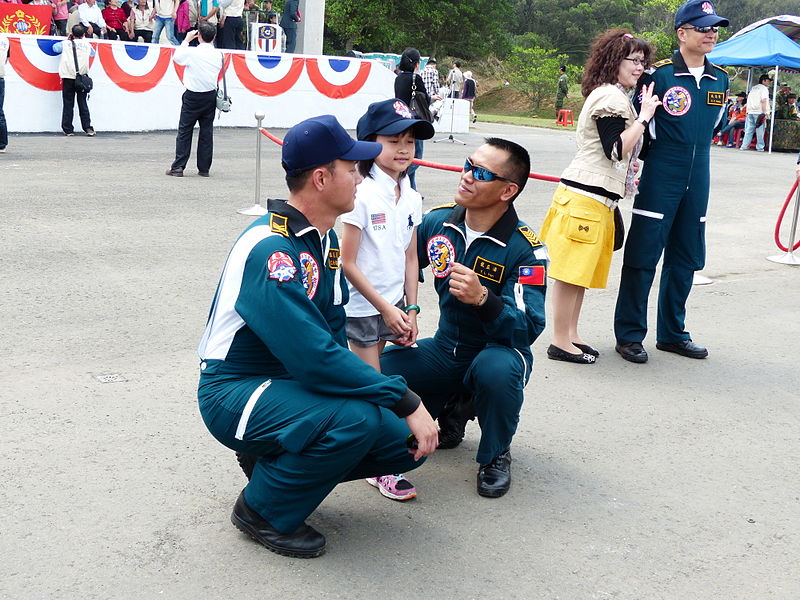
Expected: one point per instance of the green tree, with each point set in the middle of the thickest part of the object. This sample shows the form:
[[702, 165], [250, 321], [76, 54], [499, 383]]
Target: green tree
[[533, 71]]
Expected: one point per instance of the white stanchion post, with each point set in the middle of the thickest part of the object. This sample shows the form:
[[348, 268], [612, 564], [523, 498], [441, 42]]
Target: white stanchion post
[[257, 210], [789, 258]]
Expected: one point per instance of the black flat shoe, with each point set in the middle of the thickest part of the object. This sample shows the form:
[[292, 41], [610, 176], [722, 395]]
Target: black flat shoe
[[175, 172], [587, 349], [305, 542], [494, 479], [685, 348], [556, 353], [632, 352]]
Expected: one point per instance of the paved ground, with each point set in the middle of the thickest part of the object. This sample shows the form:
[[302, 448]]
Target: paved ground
[[673, 479]]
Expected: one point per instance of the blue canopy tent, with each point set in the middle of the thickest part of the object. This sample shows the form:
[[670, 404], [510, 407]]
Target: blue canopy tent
[[760, 45]]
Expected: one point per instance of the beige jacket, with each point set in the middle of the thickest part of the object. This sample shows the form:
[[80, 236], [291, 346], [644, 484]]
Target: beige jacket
[[590, 165], [66, 68]]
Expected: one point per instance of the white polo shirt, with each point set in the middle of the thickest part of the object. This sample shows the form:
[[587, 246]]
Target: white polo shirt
[[386, 227], [203, 64]]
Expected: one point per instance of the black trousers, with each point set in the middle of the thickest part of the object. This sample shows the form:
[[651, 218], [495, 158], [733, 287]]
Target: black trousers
[[232, 34], [197, 107], [113, 34], [147, 36], [68, 94]]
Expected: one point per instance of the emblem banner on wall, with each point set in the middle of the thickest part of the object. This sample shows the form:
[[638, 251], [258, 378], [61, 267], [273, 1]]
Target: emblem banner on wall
[[25, 18]]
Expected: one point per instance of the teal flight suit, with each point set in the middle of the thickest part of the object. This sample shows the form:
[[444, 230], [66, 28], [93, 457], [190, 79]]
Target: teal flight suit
[[484, 349], [669, 212], [277, 380]]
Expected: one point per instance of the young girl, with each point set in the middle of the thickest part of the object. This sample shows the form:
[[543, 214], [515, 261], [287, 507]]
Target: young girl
[[379, 248]]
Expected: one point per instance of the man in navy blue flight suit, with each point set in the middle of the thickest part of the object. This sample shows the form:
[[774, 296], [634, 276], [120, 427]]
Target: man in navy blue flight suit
[[489, 271], [669, 212], [277, 381]]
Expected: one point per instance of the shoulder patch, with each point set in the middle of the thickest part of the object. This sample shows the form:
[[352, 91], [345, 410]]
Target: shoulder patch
[[662, 63], [718, 67], [277, 224], [451, 205], [528, 234]]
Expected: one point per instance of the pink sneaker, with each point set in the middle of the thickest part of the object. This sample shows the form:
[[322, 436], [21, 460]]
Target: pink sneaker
[[396, 487]]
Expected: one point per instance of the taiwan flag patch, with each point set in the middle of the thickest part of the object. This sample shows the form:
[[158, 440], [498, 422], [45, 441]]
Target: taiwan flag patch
[[533, 275]]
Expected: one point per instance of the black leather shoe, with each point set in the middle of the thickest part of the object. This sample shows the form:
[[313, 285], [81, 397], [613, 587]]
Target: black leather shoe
[[305, 542], [587, 349], [453, 420], [632, 352], [203, 174], [494, 479], [684, 348], [583, 358], [175, 172]]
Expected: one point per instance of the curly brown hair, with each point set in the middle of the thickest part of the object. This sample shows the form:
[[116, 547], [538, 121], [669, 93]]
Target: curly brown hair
[[607, 53]]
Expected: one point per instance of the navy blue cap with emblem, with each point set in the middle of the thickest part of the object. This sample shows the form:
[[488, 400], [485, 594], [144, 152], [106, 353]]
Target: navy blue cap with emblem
[[320, 140], [699, 13], [390, 117]]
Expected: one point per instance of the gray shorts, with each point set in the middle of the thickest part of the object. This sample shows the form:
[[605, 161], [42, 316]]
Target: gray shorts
[[368, 331]]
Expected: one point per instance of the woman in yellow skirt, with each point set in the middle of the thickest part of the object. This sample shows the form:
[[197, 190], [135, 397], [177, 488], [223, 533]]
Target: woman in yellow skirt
[[579, 227]]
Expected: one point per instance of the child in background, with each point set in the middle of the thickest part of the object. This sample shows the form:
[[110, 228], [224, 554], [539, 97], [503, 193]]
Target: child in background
[[379, 248]]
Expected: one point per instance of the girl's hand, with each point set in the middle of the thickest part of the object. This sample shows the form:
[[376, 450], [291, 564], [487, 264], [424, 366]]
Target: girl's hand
[[650, 102], [396, 320]]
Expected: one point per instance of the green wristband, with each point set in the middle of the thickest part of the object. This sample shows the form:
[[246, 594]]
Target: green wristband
[[411, 307]]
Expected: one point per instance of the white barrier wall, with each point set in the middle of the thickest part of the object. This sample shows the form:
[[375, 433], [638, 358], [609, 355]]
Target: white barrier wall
[[137, 87]]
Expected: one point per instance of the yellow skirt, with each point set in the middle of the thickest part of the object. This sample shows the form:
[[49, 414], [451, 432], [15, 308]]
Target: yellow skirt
[[579, 233]]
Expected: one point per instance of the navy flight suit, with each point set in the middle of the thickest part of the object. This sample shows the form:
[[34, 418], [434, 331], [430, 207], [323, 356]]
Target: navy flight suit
[[669, 212], [277, 380], [485, 349]]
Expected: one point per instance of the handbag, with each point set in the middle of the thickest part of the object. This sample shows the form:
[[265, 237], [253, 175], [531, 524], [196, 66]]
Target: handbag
[[619, 229], [419, 106], [83, 83], [223, 100]]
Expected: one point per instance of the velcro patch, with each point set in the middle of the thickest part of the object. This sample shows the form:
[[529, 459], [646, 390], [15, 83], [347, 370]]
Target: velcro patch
[[532, 275], [488, 270], [277, 224], [716, 99], [530, 236], [333, 258]]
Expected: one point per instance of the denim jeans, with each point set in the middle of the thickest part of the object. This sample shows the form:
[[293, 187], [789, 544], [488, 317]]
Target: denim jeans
[[3, 128], [749, 128], [167, 24]]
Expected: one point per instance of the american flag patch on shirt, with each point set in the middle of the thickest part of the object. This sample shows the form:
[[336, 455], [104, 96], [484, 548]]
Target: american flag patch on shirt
[[378, 218]]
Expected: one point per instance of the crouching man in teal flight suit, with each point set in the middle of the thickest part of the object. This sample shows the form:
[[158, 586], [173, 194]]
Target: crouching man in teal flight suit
[[669, 213], [276, 378], [489, 271]]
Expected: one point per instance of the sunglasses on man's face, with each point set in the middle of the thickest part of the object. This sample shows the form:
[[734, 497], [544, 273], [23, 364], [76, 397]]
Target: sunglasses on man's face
[[713, 28], [482, 173]]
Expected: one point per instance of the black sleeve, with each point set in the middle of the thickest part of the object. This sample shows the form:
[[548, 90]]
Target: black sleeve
[[421, 87], [610, 128], [402, 87]]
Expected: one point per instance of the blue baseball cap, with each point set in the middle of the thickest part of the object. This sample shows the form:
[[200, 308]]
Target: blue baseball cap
[[699, 13], [389, 117], [320, 140]]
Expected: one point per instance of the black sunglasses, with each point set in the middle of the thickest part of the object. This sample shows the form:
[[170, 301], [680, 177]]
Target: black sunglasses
[[482, 173], [713, 28]]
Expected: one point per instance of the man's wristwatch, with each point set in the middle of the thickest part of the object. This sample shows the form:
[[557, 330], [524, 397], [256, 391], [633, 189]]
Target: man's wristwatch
[[644, 122]]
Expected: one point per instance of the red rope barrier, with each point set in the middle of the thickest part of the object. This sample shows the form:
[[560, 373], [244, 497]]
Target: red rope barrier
[[426, 163], [780, 221]]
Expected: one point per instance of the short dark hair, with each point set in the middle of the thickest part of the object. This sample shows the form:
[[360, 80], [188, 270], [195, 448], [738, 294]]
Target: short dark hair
[[606, 55], [790, 96], [79, 30], [298, 181], [457, 63], [563, 68], [764, 77], [519, 162], [207, 31], [409, 58]]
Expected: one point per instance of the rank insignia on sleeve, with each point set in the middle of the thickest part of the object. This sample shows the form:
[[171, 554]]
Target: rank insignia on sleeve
[[532, 275], [277, 224], [716, 98], [488, 269], [281, 267], [530, 236], [333, 258]]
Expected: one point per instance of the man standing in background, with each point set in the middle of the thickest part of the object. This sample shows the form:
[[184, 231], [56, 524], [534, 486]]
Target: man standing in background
[[430, 77], [563, 88], [232, 25], [289, 19], [757, 111], [455, 79]]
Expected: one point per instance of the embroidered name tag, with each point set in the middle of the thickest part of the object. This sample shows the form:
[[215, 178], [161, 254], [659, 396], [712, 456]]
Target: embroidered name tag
[[488, 270], [333, 258], [716, 99]]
